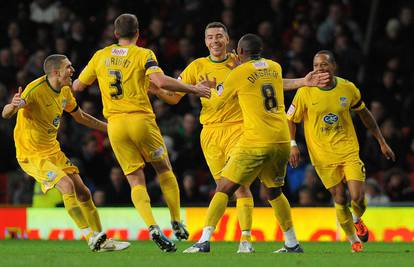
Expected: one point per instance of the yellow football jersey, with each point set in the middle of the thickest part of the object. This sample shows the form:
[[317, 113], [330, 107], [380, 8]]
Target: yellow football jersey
[[329, 130], [258, 85], [197, 71], [122, 73], [39, 119]]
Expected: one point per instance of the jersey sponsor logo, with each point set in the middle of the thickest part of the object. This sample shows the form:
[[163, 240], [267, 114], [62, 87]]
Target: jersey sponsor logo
[[291, 110], [343, 101], [56, 121], [51, 175], [330, 118], [119, 52], [157, 154], [220, 89], [260, 64]]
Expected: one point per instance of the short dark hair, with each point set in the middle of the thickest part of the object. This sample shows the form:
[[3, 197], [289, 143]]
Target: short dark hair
[[217, 24], [331, 57], [252, 44], [126, 25], [53, 62]]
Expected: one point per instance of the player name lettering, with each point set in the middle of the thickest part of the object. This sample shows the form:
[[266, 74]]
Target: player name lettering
[[261, 73]]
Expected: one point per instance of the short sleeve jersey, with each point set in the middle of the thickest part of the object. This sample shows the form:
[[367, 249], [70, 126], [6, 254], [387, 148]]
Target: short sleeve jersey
[[329, 130]]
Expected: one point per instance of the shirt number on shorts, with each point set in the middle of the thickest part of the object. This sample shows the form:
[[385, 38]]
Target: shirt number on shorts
[[116, 84], [268, 93]]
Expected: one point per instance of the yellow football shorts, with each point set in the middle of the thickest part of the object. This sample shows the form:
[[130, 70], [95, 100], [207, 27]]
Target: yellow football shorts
[[217, 143], [268, 163], [135, 139], [48, 170], [333, 174]]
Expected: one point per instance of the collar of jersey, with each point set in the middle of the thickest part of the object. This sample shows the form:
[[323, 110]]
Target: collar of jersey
[[333, 87], [218, 61], [50, 86]]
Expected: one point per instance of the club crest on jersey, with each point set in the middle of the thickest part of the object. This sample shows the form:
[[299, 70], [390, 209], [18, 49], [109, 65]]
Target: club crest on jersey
[[120, 52], [51, 175], [343, 101], [330, 118], [220, 89], [56, 121], [64, 102]]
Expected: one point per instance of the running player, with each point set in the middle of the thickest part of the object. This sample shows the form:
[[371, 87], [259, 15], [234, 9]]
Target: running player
[[123, 71], [333, 144], [39, 109]]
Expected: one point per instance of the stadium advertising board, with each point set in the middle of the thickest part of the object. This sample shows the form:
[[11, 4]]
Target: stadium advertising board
[[311, 224]]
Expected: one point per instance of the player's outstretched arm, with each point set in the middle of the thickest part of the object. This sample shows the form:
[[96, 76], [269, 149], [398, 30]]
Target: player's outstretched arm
[[78, 86], [372, 126], [294, 150], [170, 84], [10, 109], [313, 78], [89, 121], [169, 97]]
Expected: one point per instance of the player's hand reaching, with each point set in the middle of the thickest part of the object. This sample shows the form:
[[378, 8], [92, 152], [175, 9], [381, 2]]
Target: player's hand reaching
[[315, 78], [212, 83], [294, 156], [17, 100], [387, 151], [234, 60], [202, 89]]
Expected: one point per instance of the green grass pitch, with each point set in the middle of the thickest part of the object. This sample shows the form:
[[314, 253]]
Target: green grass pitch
[[144, 253]]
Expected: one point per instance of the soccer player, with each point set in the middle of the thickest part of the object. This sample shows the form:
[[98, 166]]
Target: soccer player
[[39, 109], [263, 147], [222, 128], [333, 144], [123, 71]]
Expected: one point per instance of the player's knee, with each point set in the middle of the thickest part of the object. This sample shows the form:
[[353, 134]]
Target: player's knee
[[227, 187], [243, 191], [65, 185], [84, 194]]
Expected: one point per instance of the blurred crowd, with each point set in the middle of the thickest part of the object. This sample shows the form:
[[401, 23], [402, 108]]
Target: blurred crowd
[[376, 53]]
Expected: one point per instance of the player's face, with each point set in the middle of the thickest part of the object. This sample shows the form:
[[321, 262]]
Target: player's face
[[65, 73], [321, 63], [216, 41]]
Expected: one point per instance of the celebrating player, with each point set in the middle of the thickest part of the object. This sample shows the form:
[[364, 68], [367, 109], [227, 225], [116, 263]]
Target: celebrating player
[[223, 127], [262, 150], [123, 71], [39, 109], [333, 144]]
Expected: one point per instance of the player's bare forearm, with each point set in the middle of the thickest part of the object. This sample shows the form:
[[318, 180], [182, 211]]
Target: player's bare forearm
[[8, 111], [292, 84], [292, 129], [370, 123], [170, 84], [168, 96], [78, 86], [89, 121]]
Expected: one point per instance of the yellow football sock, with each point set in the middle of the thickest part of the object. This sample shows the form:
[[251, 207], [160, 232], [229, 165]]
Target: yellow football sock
[[359, 209], [244, 207], [281, 208], [216, 209], [142, 203], [75, 212], [91, 215], [169, 188], [344, 216]]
